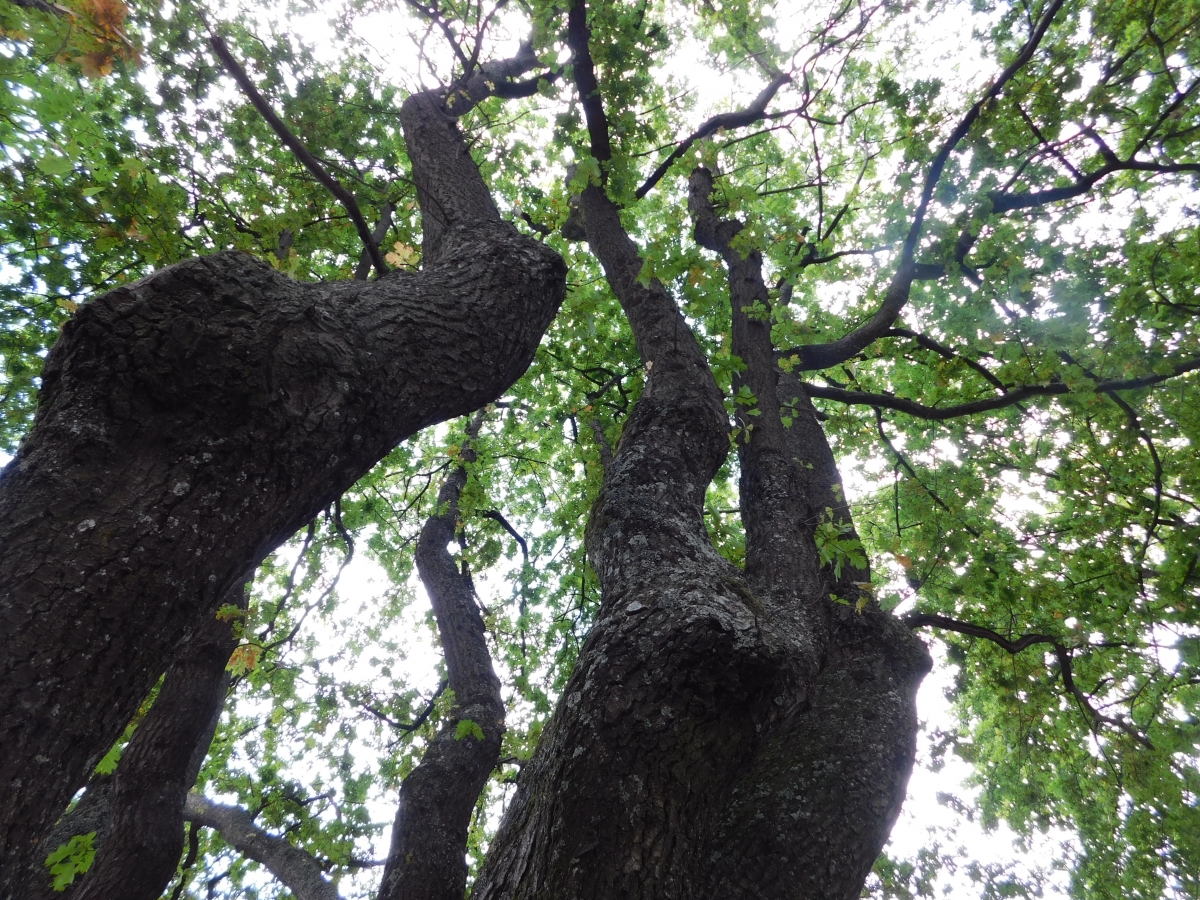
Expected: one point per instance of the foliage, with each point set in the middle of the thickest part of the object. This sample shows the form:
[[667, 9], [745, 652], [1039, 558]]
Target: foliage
[[1075, 515], [71, 859]]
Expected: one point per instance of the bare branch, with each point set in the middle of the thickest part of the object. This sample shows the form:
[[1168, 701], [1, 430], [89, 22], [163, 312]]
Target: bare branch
[[1013, 397], [496, 516], [301, 152], [822, 356]]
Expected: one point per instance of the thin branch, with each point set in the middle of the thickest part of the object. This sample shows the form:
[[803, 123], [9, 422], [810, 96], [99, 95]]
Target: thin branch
[[755, 112], [496, 516], [947, 353], [301, 152], [1013, 397], [421, 719], [822, 356], [1062, 653], [902, 460]]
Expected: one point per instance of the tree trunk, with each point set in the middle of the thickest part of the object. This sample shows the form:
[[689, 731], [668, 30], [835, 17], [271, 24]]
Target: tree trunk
[[426, 860], [190, 422], [723, 734]]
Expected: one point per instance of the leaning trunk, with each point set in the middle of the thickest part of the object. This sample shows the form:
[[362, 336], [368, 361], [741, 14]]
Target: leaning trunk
[[190, 422]]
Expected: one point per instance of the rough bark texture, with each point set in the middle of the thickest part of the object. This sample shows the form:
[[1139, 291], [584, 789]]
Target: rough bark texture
[[724, 734], [159, 767], [137, 813], [429, 837], [298, 871], [190, 422]]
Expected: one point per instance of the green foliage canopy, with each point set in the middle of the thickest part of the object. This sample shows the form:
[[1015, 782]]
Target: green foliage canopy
[[1059, 261]]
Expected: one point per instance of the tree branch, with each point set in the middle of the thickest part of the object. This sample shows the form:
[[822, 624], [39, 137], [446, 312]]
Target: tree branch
[[496, 516], [755, 112], [437, 799], [295, 868], [1062, 653], [1013, 397], [578, 37], [301, 152], [822, 356]]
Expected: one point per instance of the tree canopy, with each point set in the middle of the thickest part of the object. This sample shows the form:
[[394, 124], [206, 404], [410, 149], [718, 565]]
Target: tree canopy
[[980, 237]]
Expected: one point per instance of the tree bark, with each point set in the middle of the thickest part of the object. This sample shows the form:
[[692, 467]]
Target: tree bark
[[429, 837], [724, 734], [137, 813], [160, 765], [190, 422]]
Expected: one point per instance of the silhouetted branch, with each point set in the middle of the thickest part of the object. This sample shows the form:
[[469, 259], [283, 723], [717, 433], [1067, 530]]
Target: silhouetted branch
[[1062, 653], [755, 112], [301, 152], [1013, 397], [496, 516]]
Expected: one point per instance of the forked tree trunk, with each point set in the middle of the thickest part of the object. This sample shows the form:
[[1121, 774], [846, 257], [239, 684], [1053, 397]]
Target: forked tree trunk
[[724, 734], [190, 422]]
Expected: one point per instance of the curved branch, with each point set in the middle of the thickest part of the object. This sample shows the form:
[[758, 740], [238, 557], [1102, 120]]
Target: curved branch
[[301, 152], [298, 870], [1062, 653], [755, 112], [1006, 202], [947, 353], [496, 516], [1013, 397], [822, 356]]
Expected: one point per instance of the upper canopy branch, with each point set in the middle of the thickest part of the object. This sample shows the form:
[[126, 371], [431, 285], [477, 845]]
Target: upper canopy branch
[[1014, 396], [301, 152], [1061, 652], [755, 112], [822, 356]]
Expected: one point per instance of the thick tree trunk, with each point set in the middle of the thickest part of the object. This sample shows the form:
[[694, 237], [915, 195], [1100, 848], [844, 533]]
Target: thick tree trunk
[[723, 734], [190, 422]]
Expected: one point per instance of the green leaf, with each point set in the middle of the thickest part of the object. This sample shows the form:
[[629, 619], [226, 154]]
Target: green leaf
[[70, 859], [466, 728], [55, 165]]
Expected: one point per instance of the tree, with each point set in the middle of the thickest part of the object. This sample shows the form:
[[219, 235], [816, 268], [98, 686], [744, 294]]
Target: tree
[[981, 287]]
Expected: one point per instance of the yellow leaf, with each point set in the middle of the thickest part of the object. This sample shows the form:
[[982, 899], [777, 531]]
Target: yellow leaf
[[402, 255], [244, 659], [903, 560]]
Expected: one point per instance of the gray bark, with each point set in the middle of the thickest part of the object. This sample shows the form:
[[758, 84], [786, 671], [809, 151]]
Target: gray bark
[[429, 836], [299, 872], [190, 422]]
